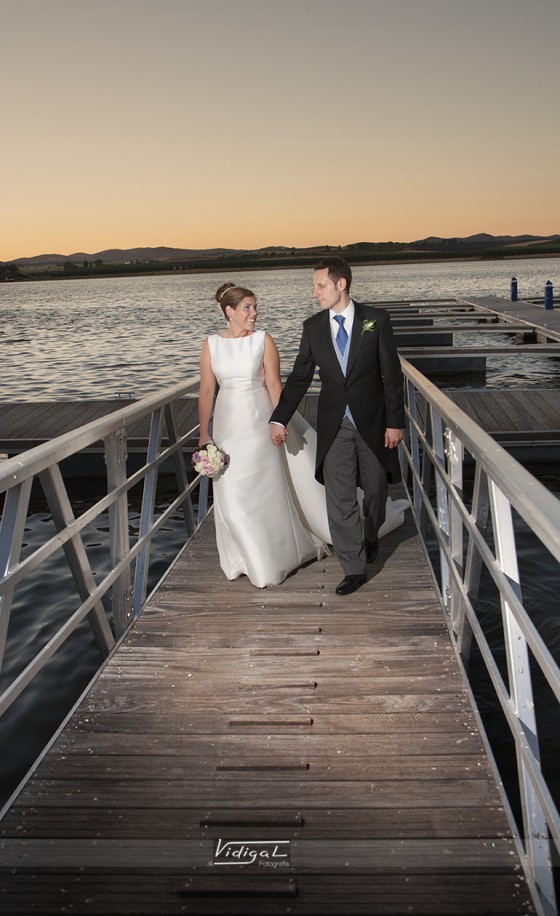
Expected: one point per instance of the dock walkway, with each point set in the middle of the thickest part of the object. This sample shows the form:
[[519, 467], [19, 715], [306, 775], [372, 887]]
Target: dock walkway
[[545, 322], [270, 751]]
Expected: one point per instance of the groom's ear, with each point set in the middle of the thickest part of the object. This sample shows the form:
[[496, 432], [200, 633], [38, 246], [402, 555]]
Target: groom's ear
[[341, 284]]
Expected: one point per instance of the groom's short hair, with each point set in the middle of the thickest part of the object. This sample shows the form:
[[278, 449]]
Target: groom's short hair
[[338, 269]]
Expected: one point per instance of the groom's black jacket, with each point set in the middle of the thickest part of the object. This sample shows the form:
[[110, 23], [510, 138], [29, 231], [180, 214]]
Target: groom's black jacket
[[372, 388]]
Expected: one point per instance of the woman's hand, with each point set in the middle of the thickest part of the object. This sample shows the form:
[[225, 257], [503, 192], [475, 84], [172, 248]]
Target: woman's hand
[[278, 433]]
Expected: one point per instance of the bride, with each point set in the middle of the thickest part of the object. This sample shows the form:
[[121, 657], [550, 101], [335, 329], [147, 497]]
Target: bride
[[259, 531], [270, 512]]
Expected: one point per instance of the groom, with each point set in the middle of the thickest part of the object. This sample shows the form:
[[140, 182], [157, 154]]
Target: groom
[[360, 417]]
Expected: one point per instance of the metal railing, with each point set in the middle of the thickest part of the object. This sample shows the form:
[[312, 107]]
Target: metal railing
[[122, 592], [475, 536]]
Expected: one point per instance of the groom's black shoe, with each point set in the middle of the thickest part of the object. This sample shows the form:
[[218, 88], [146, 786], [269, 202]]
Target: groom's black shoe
[[350, 584], [371, 550]]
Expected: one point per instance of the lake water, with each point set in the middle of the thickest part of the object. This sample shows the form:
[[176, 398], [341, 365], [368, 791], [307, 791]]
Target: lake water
[[105, 338]]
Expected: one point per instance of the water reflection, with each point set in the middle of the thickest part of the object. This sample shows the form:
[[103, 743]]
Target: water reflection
[[101, 338]]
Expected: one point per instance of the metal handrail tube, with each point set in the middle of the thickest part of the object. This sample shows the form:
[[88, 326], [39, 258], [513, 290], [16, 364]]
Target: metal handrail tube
[[541, 513], [16, 477], [27, 566], [37, 459], [438, 436], [534, 640], [519, 734], [39, 661]]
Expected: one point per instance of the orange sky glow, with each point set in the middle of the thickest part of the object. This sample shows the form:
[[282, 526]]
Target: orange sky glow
[[246, 123]]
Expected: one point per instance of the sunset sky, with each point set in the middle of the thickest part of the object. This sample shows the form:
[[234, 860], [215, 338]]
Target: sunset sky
[[246, 123]]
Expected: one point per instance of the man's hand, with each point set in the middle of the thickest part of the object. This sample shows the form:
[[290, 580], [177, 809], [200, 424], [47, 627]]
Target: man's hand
[[278, 433], [393, 437]]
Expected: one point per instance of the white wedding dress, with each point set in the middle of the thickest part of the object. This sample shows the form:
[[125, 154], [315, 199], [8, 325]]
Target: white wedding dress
[[270, 512], [259, 532]]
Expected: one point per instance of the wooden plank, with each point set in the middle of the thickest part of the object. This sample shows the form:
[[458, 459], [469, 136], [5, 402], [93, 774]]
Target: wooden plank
[[313, 823], [148, 894], [290, 767], [78, 741]]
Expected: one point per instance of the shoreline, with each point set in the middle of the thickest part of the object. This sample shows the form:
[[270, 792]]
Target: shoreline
[[150, 270]]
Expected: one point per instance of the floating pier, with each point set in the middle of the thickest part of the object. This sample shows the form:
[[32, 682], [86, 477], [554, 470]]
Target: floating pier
[[525, 421], [430, 346]]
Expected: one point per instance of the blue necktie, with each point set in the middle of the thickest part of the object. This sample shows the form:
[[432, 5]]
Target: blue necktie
[[342, 336]]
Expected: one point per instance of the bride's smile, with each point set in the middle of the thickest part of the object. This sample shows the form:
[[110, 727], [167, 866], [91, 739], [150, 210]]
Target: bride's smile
[[243, 317]]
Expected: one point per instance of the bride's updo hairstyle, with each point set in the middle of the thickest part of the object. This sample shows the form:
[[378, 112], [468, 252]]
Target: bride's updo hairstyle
[[231, 295]]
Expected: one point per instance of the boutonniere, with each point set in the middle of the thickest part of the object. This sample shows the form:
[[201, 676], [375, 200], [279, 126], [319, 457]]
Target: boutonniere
[[368, 325]]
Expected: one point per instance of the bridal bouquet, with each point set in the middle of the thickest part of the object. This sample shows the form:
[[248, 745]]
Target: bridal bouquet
[[209, 460]]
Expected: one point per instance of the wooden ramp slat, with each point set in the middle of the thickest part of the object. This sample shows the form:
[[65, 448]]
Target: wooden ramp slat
[[338, 727]]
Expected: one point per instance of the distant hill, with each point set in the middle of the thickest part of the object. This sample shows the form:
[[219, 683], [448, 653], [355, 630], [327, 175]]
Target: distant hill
[[481, 241], [122, 255], [481, 244]]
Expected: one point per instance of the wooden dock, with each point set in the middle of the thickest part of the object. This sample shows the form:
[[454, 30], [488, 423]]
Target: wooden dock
[[25, 424], [530, 316], [544, 322], [282, 750], [526, 421], [429, 343]]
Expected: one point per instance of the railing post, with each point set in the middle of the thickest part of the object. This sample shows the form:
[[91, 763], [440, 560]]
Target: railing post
[[442, 503], [536, 840], [12, 525], [147, 513], [548, 295], [76, 555], [115, 458], [455, 472], [473, 564], [414, 447], [514, 289], [180, 470], [203, 493], [427, 473]]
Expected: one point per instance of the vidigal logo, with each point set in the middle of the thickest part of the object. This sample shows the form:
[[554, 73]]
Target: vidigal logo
[[264, 853]]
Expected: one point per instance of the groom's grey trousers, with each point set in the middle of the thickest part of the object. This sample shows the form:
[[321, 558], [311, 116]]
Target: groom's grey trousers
[[348, 458]]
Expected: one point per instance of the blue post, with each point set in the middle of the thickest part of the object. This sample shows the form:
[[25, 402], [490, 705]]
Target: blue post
[[548, 295], [514, 289]]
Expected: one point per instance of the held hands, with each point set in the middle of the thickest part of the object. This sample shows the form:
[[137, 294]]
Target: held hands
[[393, 437], [278, 433]]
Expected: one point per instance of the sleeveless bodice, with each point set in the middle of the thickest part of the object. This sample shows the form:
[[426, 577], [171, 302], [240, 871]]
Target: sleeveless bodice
[[258, 529], [237, 362]]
